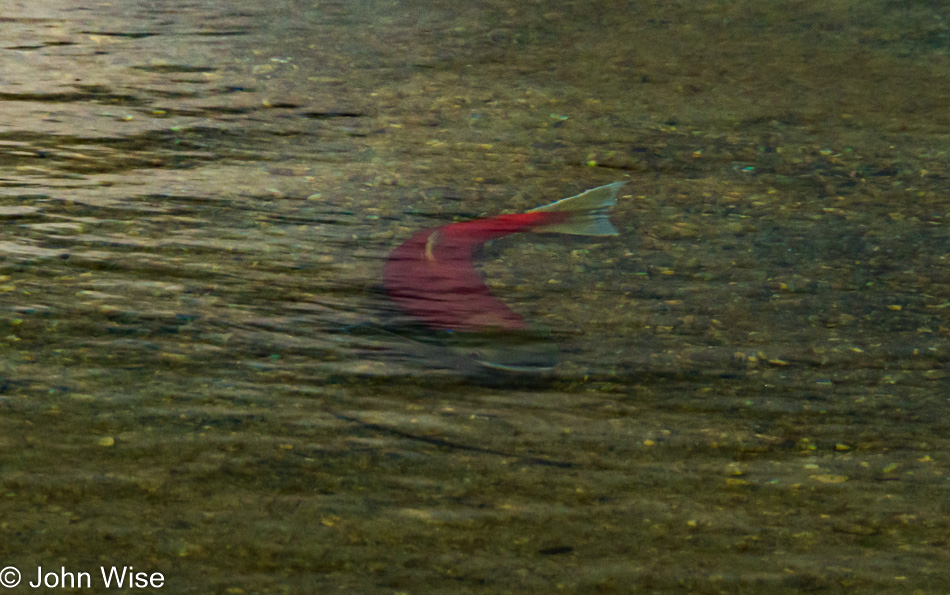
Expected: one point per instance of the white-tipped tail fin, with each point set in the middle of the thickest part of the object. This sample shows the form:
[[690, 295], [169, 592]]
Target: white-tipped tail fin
[[587, 212]]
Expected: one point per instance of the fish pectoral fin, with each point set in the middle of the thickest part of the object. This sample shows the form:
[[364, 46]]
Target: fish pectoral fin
[[586, 212]]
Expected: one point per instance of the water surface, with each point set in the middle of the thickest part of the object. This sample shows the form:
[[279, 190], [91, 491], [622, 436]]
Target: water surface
[[196, 201]]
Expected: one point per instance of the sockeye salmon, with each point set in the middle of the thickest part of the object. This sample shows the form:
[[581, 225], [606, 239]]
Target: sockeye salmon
[[432, 276]]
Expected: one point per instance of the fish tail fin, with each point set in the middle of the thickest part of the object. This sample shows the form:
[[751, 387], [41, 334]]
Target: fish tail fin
[[586, 212]]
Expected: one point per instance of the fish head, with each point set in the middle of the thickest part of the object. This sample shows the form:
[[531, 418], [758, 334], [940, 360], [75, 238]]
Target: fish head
[[530, 350]]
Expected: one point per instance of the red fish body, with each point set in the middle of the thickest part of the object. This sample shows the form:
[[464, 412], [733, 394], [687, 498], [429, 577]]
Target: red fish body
[[433, 279], [431, 276]]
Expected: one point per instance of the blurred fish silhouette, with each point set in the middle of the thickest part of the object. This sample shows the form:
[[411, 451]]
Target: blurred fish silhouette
[[432, 278]]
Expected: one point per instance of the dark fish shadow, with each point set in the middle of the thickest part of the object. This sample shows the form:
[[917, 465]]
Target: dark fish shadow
[[432, 351]]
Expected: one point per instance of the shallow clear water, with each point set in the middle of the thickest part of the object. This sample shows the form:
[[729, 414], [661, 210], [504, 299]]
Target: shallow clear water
[[196, 201]]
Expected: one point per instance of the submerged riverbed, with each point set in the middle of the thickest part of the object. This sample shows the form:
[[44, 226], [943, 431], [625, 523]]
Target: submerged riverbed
[[195, 206]]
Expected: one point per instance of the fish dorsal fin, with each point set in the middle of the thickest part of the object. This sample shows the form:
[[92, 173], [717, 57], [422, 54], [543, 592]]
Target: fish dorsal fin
[[587, 212], [434, 238]]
